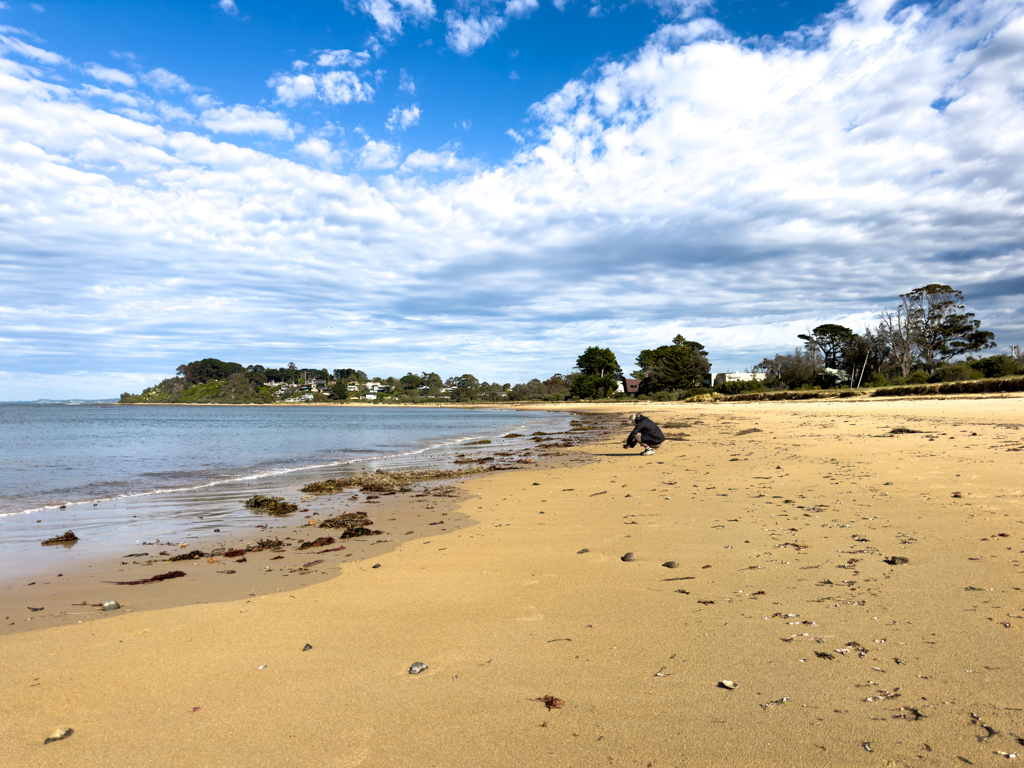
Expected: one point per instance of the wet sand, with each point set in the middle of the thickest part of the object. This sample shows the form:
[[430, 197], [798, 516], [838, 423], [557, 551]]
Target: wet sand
[[785, 539]]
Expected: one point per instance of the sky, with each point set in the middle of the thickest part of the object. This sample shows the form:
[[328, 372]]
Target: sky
[[492, 187]]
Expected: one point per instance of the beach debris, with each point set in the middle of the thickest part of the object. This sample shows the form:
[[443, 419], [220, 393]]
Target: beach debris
[[629, 557], [323, 541], [34, 609], [670, 564], [583, 551], [262, 667], [228, 572], [551, 702], [270, 505], [59, 735], [381, 481], [777, 702], [897, 560], [957, 495], [110, 605], [195, 554], [561, 640], [599, 493], [704, 567], [352, 524], [1008, 755], [662, 673], [212, 560], [824, 655], [417, 667], [729, 684], [904, 431], [68, 537], [194, 710], [867, 746], [161, 577], [307, 647], [748, 431], [989, 730]]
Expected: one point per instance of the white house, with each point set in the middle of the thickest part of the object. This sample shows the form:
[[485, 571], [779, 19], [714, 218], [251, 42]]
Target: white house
[[722, 378]]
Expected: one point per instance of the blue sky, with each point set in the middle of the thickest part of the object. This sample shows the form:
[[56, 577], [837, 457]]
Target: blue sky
[[491, 187]]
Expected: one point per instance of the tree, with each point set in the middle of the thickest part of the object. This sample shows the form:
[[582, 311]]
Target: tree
[[941, 327], [897, 328], [830, 340], [598, 361], [680, 365], [339, 390], [464, 387], [410, 381], [793, 370]]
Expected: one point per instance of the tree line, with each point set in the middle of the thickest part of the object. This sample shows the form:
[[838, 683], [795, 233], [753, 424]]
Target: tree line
[[914, 342]]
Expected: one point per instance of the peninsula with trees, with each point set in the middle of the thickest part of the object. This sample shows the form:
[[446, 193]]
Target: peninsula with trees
[[927, 338]]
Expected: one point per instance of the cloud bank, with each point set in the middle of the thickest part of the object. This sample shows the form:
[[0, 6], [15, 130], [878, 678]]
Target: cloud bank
[[735, 193]]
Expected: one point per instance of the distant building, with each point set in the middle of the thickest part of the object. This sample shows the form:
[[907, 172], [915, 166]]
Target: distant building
[[628, 386], [722, 378]]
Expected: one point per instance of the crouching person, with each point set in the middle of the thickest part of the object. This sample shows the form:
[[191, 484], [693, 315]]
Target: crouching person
[[645, 433]]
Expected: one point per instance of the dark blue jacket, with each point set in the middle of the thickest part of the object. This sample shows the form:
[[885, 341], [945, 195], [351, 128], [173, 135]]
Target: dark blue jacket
[[648, 431]]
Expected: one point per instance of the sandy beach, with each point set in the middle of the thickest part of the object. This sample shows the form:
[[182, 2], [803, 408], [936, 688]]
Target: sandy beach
[[788, 524]]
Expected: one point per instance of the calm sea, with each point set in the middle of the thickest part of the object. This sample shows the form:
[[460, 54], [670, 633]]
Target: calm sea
[[143, 471]]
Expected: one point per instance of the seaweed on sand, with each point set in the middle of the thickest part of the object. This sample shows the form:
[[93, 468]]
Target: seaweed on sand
[[68, 537], [271, 505], [195, 554], [161, 577], [323, 541], [385, 482], [352, 524]]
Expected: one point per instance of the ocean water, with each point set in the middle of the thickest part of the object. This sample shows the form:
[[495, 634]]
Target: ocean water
[[131, 473]]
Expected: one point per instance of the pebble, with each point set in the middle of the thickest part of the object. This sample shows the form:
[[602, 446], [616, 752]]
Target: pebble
[[59, 735], [629, 557], [583, 552], [417, 667], [728, 684], [671, 564], [896, 560], [111, 605], [307, 647], [377, 565]]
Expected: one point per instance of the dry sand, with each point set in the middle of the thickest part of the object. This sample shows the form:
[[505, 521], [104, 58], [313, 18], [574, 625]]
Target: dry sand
[[781, 536]]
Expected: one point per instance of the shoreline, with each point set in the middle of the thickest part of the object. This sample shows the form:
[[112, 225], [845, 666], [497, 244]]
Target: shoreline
[[58, 589], [785, 522]]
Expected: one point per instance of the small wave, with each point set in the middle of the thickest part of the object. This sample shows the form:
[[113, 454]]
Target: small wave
[[256, 475]]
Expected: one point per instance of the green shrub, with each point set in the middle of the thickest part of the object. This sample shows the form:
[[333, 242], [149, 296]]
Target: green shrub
[[739, 387], [956, 372], [917, 377]]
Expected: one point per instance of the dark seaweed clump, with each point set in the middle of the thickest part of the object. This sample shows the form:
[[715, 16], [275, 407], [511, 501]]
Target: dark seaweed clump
[[161, 577], [195, 554], [65, 538], [323, 541], [385, 482], [351, 524], [271, 505]]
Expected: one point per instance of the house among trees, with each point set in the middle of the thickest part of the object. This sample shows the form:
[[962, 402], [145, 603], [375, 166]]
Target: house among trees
[[722, 378], [628, 386]]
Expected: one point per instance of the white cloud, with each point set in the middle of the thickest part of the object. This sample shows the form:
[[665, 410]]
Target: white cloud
[[516, 136], [517, 8], [161, 79], [37, 8], [108, 75], [14, 45], [244, 119], [406, 83], [334, 87], [229, 7], [445, 160], [472, 25], [389, 15], [403, 118], [4, 6], [378, 155], [118, 97], [291, 89], [342, 58], [467, 33], [343, 87], [319, 150]]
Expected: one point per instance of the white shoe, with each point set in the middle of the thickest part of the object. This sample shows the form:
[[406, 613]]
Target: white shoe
[[648, 451]]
